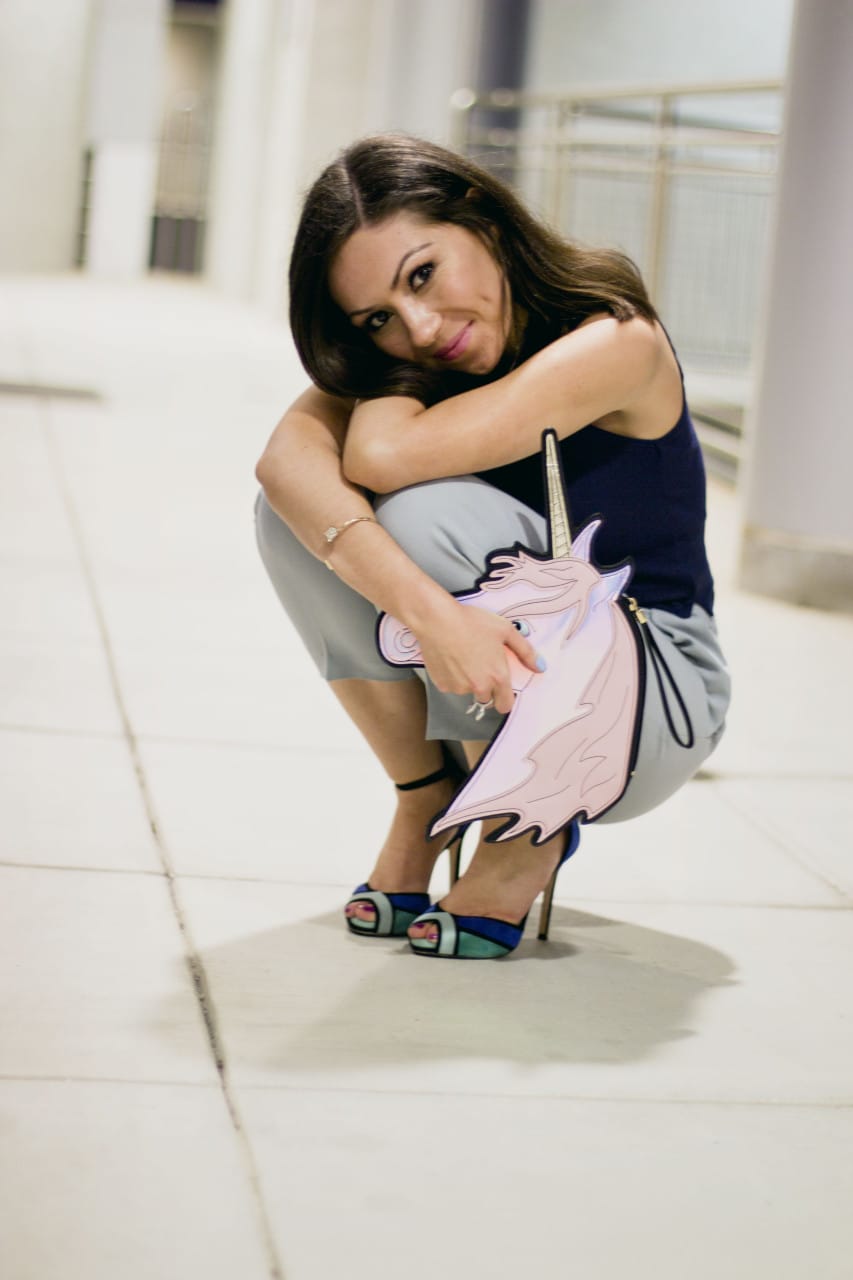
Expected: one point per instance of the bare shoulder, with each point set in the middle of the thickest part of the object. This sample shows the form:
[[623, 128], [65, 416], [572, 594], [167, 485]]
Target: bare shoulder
[[655, 399], [638, 338]]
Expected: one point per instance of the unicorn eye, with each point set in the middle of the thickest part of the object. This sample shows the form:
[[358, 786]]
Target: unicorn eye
[[522, 626]]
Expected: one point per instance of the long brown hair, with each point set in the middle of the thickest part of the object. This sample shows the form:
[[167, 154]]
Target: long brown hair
[[553, 284]]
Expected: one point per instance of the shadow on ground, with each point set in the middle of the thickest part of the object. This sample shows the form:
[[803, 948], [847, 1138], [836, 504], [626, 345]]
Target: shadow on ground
[[307, 997]]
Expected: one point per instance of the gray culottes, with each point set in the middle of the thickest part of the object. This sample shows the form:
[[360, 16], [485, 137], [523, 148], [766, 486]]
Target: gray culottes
[[448, 527]]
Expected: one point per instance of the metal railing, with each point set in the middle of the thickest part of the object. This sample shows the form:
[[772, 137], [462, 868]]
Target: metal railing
[[680, 177]]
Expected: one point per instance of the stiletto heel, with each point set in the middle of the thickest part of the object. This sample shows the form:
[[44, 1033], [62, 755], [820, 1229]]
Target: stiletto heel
[[455, 851], [481, 937], [545, 909], [394, 912]]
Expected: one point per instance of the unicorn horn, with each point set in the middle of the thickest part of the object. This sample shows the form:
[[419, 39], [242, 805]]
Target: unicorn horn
[[558, 516]]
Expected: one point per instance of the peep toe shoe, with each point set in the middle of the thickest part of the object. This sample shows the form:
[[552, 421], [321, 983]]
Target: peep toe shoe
[[481, 937], [394, 912]]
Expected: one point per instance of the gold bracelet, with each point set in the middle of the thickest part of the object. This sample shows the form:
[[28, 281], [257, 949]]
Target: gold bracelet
[[335, 531]]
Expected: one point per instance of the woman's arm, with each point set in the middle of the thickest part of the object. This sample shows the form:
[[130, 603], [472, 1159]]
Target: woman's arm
[[603, 367], [301, 475]]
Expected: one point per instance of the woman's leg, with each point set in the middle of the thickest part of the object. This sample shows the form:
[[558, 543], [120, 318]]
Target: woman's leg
[[448, 527], [502, 879], [391, 717], [386, 704]]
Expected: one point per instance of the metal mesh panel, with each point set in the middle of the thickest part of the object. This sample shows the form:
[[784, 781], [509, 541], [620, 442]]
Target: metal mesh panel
[[681, 180]]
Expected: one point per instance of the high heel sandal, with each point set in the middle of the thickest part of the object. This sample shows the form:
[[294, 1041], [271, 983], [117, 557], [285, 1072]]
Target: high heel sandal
[[394, 912], [480, 937]]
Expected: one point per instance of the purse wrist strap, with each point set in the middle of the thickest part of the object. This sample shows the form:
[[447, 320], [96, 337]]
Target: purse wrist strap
[[664, 677]]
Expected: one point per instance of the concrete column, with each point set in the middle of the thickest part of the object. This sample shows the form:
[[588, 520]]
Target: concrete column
[[249, 38], [431, 51], [287, 136], [299, 80], [797, 538], [123, 130], [43, 66]]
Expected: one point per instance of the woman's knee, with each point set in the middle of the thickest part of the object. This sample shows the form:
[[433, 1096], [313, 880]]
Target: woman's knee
[[416, 516], [448, 527], [420, 519]]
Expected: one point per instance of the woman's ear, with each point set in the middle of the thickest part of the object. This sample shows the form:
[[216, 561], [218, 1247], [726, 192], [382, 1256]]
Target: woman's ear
[[473, 193]]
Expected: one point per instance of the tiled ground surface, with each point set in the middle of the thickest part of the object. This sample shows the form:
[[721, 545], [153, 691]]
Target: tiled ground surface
[[666, 1089]]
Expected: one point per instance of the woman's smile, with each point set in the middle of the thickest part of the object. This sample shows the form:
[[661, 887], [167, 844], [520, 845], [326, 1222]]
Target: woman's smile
[[427, 293], [458, 345]]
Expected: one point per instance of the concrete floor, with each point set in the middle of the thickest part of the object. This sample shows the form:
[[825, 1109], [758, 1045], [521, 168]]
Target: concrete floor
[[664, 1090]]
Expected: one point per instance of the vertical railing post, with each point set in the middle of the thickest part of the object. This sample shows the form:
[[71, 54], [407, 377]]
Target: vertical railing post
[[462, 103], [660, 191], [563, 162]]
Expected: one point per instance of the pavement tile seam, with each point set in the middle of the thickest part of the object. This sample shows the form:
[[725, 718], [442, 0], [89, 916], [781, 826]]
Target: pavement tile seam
[[551, 1095], [96, 870], [47, 731], [223, 1087], [259, 747], [788, 850], [204, 997], [722, 904], [773, 775], [86, 871], [163, 1082]]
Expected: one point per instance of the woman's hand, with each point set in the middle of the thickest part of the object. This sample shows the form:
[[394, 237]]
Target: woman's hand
[[467, 650]]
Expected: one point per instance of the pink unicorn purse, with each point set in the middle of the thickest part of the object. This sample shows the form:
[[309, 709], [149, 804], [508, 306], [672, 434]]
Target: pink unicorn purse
[[567, 748]]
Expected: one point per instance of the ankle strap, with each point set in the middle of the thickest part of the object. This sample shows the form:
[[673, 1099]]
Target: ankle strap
[[451, 768], [443, 772]]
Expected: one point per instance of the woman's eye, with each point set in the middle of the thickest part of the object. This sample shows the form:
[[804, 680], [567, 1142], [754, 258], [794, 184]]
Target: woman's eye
[[374, 322], [421, 274], [522, 626]]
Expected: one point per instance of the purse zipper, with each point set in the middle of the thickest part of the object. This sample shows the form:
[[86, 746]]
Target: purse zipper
[[636, 610]]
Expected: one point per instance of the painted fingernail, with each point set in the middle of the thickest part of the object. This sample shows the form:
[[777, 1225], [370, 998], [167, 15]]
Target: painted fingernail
[[541, 663]]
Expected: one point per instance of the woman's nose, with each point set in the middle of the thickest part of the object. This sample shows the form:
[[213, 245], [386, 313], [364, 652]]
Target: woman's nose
[[423, 325]]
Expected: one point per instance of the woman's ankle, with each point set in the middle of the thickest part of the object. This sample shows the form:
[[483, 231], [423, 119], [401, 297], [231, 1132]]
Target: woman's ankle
[[503, 879], [406, 860]]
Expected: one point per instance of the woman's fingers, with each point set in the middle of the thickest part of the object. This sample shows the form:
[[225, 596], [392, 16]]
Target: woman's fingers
[[468, 654], [524, 650], [502, 691], [504, 696], [496, 686]]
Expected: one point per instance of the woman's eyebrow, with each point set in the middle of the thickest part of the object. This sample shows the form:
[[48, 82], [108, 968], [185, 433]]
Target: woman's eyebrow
[[405, 258]]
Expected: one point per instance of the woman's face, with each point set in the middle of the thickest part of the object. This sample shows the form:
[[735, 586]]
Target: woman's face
[[427, 293]]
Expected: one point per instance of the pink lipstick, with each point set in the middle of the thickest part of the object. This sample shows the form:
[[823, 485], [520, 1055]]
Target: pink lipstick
[[457, 346]]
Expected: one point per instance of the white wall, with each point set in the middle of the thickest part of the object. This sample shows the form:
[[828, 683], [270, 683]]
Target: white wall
[[581, 43], [43, 51]]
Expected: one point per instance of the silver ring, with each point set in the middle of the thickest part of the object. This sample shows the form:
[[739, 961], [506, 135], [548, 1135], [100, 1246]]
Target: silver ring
[[480, 708]]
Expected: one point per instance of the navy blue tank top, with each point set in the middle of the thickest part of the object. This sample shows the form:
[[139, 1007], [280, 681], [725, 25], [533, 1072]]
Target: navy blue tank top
[[651, 494]]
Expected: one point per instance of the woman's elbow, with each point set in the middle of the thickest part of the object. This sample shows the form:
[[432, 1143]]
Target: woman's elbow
[[371, 467], [263, 470]]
